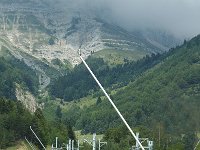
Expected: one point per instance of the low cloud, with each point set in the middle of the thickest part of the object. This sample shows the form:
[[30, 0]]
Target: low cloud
[[180, 17]]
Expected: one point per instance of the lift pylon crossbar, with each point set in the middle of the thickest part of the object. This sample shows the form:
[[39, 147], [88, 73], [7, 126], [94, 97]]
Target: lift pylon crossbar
[[129, 128]]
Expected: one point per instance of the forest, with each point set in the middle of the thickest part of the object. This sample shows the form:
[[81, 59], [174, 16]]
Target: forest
[[164, 98], [78, 83], [14, 71], [158, 95], [15, 119]]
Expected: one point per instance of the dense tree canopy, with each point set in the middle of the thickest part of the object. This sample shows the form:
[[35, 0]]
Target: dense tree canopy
[[164, 98], [79, 82], [15, 71], [15, 121]]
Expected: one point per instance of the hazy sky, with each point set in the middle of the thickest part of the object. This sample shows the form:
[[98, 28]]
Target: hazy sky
[[181, 17]]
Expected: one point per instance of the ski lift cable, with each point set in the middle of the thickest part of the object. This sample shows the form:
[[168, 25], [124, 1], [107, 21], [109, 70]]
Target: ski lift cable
[[37, 138], [29, 144], [129, 128]]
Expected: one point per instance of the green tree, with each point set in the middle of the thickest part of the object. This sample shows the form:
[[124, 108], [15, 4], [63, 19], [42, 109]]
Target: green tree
[[98, 100], [40, 127], [70, 132], [51, 41], [59, 112], [189, 140]]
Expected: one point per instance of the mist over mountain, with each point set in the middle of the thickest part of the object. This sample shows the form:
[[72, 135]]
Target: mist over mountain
[[178, 17], [51, 30], [137, 50]]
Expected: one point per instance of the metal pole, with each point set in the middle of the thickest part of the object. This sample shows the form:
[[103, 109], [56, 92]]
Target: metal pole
[[150, 144], [29, 144], [78, 145], [137, 144], [72, 144], [37, 138], [99, 145], [129, 128], [94, 141], [56, 143]]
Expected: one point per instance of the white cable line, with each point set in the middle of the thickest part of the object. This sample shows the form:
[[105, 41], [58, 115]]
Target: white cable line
[[197, 145], [111, 101], [37, 138], [29, 144]]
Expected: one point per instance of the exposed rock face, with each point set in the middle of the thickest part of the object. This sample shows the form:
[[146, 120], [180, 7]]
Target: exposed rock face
[[26, 98], [37, 33], [30, 25], [34, 24]]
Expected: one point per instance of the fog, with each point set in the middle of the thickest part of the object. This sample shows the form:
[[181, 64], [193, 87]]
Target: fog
[[180, 17]]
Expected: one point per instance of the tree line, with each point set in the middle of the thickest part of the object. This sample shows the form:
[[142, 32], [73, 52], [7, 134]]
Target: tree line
[[78, 83], [15, 71]]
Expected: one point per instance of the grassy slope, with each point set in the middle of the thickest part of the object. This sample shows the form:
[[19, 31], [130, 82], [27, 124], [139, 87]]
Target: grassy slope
[[114, 57], [175, 81], [82, 103], [89, 137], [21, 145], [51, 106]]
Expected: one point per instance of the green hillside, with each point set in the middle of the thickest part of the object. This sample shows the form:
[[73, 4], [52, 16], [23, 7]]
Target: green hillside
[[78, 83], [115, 57], [165, 97], [15, 119], [14, 71]]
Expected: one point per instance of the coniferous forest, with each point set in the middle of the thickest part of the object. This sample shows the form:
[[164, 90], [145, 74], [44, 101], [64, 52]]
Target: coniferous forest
[[161, 96], [158, 95], [15, 119], [146, 54]]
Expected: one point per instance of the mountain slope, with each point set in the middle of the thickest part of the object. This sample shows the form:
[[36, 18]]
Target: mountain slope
[[165, 96], [78, 83], [12, 72], [16, 122], [47, 31]]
